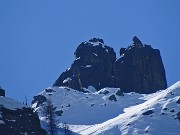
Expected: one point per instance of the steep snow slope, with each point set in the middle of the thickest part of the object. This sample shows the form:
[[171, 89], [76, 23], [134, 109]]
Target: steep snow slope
[[104, 112]]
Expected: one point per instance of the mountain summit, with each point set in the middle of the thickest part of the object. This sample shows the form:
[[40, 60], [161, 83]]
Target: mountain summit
[[93, 66], [96, 65], [141, 65]]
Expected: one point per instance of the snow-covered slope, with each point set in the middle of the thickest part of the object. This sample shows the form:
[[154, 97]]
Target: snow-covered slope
[[108, 112], [10, 103]]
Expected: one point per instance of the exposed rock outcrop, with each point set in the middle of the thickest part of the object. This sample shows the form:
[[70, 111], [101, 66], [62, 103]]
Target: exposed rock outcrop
[[16, 119], [2, 92], [139, 69], [93, 66]]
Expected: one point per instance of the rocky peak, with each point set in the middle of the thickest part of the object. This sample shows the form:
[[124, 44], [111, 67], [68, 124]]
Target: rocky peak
[[93, 66], [139, 69], [94, 49], [135, 45], [137, 42]]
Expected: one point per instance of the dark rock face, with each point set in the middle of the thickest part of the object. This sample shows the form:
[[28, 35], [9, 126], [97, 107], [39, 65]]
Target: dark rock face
[[139, 69], [137, 42], [20, 121], [93, 66], [120, 93], [148, 112], [40, 98], [2, 92], [112, 98]]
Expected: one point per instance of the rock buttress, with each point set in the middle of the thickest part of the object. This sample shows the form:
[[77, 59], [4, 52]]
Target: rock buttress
[[139, 69], [93, 66]]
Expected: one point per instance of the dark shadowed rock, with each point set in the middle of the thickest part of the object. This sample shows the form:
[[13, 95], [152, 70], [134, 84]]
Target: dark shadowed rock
[[2, 92], [105, 92], [140, 69], [93, 66], [148, 112], [112, 98], [119, 93], [20, 121], [172, 110], [39, 99], [178, 101], [137, 42], [59, 113]]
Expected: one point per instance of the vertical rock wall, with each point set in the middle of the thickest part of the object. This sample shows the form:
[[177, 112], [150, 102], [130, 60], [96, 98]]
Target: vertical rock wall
[[139, 68]]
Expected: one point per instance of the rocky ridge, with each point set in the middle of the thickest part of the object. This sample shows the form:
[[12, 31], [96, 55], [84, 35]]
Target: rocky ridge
[[16, 119], [96, 65]]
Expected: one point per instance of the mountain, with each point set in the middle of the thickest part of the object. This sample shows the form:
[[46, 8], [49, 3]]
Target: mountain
[[102, 94], [93, 66], [18, 119], [142, 66], [96, 65], [110, 111]]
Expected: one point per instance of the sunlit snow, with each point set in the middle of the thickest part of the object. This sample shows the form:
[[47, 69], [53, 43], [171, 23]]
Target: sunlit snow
[[94, 113]]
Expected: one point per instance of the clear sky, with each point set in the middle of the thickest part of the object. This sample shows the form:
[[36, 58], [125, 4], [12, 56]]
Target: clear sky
[[38, 37]]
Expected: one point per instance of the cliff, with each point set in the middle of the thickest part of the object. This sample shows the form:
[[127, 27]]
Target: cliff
[[139, 68], [93, 66]]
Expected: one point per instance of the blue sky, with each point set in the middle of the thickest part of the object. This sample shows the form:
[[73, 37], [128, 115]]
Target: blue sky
[[38, 37]]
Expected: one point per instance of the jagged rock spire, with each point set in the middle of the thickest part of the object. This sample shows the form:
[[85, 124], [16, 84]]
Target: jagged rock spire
[[136, 41]]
